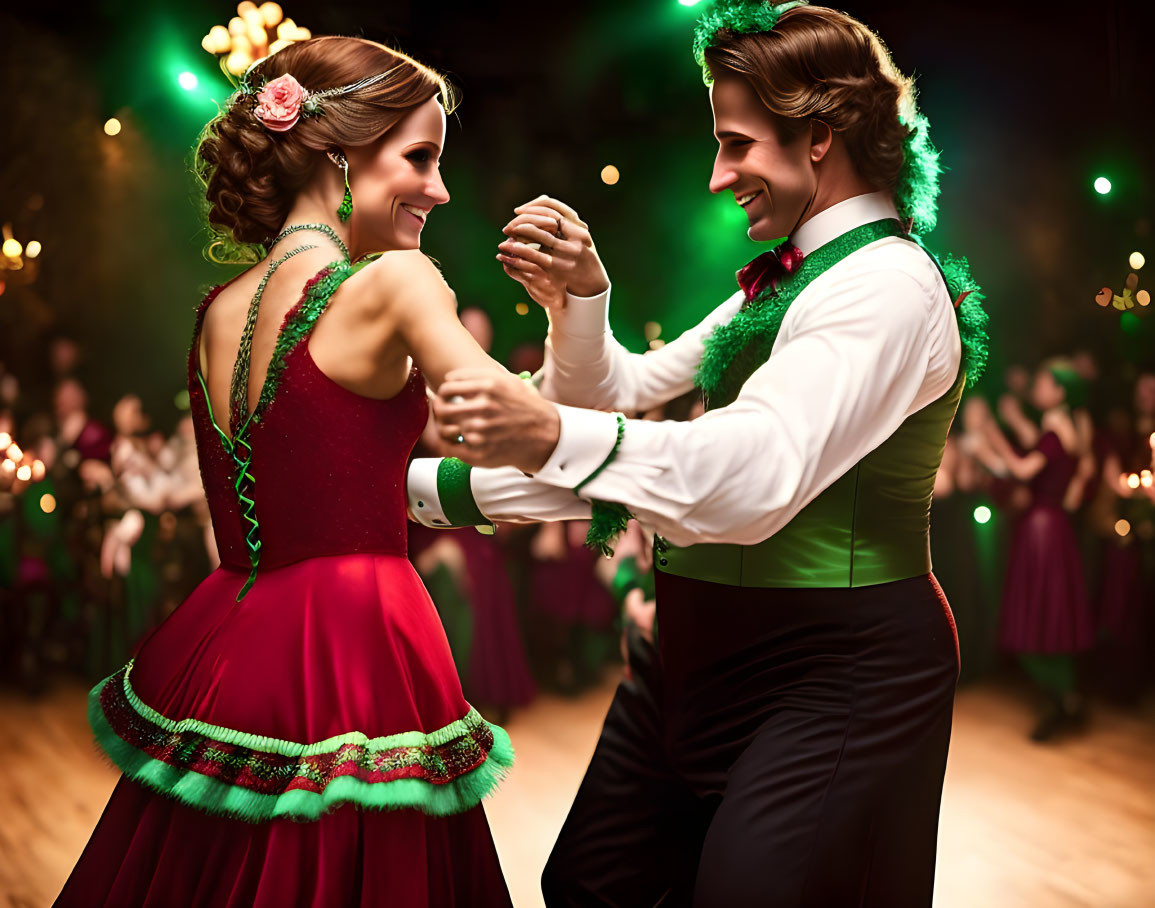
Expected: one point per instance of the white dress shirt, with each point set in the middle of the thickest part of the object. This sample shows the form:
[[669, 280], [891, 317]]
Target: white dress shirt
[[863, 346]]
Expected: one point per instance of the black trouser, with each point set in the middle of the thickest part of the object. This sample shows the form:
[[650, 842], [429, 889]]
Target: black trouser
[[787, 749]]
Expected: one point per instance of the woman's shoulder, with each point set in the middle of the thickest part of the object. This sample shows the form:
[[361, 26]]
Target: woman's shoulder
[[402, 279], [399, 269]]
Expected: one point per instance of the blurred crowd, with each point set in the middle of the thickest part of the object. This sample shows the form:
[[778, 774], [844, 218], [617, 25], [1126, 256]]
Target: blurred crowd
[[1043, 535], [1043, 530], [103, 525]]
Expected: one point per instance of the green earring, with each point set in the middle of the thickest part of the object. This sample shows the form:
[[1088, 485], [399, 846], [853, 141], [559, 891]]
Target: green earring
[[345, 210]]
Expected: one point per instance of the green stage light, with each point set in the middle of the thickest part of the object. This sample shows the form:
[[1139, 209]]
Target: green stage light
[[187, 81], [982, 514], [1102, 185], [688, 2]]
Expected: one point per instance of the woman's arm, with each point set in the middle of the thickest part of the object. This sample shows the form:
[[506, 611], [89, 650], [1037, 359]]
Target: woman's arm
[[422, 311], [1011, 410], [1023, 468], [874, 347]]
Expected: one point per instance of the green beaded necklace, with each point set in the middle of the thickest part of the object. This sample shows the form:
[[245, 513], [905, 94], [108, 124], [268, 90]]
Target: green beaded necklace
[[239, 390], [319, 228]]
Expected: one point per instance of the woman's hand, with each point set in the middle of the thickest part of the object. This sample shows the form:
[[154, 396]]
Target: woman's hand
[[550, 252], [494, 419]]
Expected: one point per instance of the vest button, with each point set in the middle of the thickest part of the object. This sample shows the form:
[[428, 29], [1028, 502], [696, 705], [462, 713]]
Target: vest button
[[663, 562]]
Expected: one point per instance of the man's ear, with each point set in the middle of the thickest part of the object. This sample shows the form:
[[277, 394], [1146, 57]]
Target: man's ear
[[821, 137]]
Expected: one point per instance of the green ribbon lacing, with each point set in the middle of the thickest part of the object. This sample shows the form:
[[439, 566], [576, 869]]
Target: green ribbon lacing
[[296, 329]]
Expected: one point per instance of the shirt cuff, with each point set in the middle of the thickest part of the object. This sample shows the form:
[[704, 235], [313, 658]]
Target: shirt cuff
[[421, 486], [586, 440], [583, 317], [507, 495]]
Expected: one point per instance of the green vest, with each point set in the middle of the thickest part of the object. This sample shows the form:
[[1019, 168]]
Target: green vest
[[872, 525]]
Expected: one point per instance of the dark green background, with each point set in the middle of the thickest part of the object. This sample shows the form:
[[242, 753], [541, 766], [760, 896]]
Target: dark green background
[[1029, 103]]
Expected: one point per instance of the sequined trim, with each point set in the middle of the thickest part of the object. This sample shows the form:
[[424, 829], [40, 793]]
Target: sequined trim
[[299, 323], [257, 778]]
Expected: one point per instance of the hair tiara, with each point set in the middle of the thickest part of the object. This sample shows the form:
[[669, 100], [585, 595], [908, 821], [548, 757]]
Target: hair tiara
[[283, 101]]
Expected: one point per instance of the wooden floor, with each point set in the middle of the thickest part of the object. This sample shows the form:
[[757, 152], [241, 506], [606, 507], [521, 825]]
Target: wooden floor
[[1023, 826]]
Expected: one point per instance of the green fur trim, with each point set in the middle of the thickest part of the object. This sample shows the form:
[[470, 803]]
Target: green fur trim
[[972, 318], [916, 192], [172, 743], [742, 16], [608, 520], [740, 346]]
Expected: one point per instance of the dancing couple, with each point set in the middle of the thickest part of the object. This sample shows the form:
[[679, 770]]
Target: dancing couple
[[295, 733]]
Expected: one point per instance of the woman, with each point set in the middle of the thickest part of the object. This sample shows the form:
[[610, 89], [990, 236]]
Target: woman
[[1046, 617], [295, 733]]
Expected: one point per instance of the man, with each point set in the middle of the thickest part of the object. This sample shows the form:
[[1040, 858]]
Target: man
[[789, 746]]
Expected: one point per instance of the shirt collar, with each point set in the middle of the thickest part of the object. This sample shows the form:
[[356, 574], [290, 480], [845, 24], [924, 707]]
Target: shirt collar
[[846, 215]]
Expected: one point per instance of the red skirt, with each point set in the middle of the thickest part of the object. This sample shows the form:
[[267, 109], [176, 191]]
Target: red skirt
[[309, 745], [1045, 604]]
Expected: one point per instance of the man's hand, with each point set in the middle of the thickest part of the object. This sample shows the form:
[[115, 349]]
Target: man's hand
[[495, 419], [564, 259]]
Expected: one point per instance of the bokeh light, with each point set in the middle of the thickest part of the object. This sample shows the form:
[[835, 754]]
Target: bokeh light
[[522, 308], [1133, 481], [1122, 527], [24, 473], [610, 175], [1102, 185], [188, 81], [1143, 298], [12, 248], [982, 514], [112, 126], [1136, 261], [32, 249], [47, 503]]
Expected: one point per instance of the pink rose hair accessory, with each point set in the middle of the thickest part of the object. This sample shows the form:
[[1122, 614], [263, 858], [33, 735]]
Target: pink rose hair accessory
[[284, 101], [279, 103]]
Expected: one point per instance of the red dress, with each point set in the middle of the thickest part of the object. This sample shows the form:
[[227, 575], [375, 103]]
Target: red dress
[[308, 744], [1045, 604]]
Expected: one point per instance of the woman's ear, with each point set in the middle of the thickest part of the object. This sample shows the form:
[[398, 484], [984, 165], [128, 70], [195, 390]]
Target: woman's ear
[[821, 137]]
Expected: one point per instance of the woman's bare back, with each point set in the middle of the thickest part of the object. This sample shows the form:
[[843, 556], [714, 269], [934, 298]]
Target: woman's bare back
[[353, 343]]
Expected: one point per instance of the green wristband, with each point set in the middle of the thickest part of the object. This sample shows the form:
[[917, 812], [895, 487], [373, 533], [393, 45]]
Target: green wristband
[[456, 494]]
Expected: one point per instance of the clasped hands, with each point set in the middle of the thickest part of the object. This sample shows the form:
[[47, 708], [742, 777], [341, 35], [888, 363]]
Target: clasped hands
[[490, 418]]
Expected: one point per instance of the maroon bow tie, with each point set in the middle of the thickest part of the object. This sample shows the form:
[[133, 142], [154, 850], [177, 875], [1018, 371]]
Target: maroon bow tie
[[768, 269]]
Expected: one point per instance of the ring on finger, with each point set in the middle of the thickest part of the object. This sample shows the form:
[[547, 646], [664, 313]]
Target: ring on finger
[[559, 233]]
